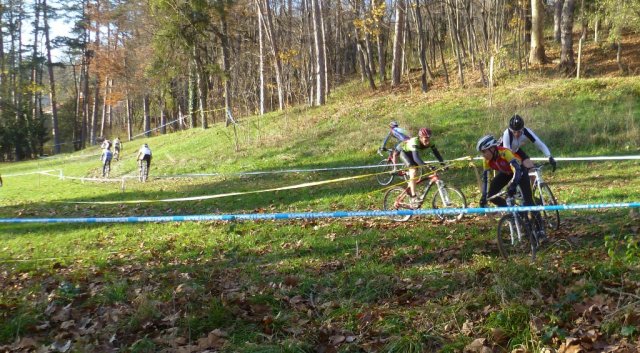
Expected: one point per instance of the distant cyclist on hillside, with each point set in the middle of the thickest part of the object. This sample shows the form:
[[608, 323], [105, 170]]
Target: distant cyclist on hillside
[[516, 135], [399, 134], [117, 145], [409, 153], [105, 144], [106, 161], [144, 156]]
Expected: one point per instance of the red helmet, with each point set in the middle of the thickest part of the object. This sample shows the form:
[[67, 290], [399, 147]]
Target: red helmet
[[425, 131]]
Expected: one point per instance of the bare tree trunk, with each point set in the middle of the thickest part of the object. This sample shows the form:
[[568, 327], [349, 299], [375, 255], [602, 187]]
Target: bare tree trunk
[[382, 45], [567, 62], [52, 82], [226, 67], [129, 118], [537, 55], [557, 20], [363, 58], [261, 59], [455, 33], [397, 44], [147, 115], [268, 22], [103, 120], [319, 46], [421, 49], [163, 116]]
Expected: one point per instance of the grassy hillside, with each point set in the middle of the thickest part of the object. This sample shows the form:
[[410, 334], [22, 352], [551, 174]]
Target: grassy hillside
[[356, 285]]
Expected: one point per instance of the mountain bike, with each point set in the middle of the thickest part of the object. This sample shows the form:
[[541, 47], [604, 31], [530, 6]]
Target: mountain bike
[[144, 172], [518, 232], [388, 171], [444, 196], [543, 196]]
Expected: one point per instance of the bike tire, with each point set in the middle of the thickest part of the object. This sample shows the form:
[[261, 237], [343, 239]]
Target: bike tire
[[544, 197], [508, 242], [397, 199], [456, 200], [143, 173], [384, 174]]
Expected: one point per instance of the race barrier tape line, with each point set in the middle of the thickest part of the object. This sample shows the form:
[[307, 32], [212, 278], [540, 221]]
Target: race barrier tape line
[[315, 215], [206, 197], [30, 173]]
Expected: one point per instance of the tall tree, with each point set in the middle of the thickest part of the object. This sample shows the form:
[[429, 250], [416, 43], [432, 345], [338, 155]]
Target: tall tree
[[567, 62], [557, 20], [537, 54], [55, 131], [396, 66], [319, 52]]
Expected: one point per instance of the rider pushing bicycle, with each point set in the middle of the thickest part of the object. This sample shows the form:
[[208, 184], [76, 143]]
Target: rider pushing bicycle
[[409, 153], [517, 135], [400, 134], [509, 168]]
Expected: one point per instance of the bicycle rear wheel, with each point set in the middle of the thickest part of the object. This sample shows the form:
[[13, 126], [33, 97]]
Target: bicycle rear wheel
[[143, 173], [544, 197], [448, 197], [397, 199], [509, 243], [385, 173]]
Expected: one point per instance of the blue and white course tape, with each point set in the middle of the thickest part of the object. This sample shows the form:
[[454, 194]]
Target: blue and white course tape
[[313, 215]]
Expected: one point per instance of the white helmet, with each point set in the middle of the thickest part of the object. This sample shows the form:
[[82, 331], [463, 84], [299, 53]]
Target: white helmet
[[486, 142]]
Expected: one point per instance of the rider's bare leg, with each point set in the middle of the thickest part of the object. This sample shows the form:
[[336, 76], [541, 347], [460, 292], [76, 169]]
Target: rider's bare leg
[[412, 181]]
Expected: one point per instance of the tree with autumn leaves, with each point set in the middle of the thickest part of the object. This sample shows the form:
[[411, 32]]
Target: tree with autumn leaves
[[137, 67]]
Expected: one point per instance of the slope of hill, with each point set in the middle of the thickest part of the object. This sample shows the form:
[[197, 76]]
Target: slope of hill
[[357, 285]]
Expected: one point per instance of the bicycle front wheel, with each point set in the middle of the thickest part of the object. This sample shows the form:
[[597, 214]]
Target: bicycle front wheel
[[397, 199], [449, 197], [384, 174], [544, 197], [509, 242]]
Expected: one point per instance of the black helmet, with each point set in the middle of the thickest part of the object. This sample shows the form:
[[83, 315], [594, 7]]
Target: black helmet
[[516, 123]]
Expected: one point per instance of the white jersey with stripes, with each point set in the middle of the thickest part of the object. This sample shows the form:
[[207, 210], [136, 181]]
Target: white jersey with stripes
[[514, 143]]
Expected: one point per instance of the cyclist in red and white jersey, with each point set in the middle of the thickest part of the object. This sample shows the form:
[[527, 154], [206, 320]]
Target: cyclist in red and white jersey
[[517, 135], [510, 169]]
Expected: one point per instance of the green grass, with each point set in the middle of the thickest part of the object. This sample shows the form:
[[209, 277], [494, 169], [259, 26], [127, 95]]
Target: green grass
[[347, 285]]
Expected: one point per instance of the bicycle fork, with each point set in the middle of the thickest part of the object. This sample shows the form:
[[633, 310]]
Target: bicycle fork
[[516, 221], [444, 194]]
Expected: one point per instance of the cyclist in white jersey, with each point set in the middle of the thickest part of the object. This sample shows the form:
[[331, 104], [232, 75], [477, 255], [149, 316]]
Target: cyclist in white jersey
[[400, 134], [117, 145], [144, 154], [517, 135]]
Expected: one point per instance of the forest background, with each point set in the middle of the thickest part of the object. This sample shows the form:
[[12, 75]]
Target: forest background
[[164, 65]]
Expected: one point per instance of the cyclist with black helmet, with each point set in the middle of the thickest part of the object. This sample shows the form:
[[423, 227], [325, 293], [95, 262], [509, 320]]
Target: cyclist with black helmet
[[399, 134], [517, 135], [409, 153]]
